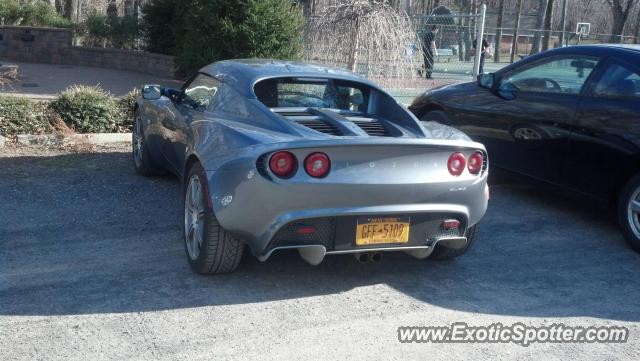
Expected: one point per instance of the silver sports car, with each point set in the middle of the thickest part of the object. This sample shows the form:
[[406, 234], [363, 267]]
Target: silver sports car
[[280, 155]]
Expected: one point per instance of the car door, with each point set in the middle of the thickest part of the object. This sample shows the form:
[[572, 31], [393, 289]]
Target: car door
[[523, 122], [196, 97], [607, 130]]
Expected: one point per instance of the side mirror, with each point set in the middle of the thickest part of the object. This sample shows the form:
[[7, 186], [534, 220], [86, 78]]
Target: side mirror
[[486, 81], [151, 92]]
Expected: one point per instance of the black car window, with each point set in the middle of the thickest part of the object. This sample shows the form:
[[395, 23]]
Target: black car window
[[565, 75], [618, 81], [200, 92], [312, 93]]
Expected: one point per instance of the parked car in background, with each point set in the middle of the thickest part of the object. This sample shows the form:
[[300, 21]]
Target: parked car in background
[[568, 116], [283, 155]]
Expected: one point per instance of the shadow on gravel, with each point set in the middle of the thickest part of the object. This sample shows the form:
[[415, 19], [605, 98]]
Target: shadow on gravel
[[83, 234]]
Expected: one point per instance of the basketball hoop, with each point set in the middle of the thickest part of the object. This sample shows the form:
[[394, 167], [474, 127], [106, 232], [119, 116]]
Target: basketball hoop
[[583, 29]]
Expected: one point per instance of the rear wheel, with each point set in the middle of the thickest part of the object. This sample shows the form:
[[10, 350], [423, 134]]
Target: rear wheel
[[629, 212], [442, 252], [436, 116], [209, 247]]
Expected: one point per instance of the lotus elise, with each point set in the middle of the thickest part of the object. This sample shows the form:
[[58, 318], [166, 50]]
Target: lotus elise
[[278, 155]]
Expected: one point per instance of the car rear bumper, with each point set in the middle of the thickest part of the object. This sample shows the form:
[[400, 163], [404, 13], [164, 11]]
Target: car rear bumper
[[259, 210]]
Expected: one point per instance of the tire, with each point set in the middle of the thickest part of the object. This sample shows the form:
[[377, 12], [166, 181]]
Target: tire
[[436, 116], [141, 159], [629, 215], [529, 133], [442, 252], [209, 248]]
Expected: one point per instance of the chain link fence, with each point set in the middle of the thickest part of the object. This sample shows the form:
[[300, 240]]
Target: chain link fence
[[444, 53]]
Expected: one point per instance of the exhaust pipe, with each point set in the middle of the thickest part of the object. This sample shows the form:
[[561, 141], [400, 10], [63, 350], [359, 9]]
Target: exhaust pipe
[[376, 257], [363, 257], [367, 257]]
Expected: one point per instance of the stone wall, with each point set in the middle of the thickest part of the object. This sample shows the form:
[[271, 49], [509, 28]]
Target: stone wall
[[54, 46]]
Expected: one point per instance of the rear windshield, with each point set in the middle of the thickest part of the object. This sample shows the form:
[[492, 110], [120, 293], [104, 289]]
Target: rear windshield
[[312, 93]]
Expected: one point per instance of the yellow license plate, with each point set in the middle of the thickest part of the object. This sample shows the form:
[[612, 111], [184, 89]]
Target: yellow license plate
[[383, 230]]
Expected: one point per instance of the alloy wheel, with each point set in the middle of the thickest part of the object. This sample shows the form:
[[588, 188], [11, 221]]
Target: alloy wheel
[[527, 134], [194, 212], [633, 212], [138, 142]]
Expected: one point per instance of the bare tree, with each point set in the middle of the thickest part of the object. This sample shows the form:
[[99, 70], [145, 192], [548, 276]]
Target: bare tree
[[563, 22], [362, 35], [636, 34], [620, 10], [537, 36], [71, 9], [548, 19], [499, 24], [516, 32]]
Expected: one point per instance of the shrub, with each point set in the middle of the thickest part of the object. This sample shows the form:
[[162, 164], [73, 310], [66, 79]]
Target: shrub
[[38, 13], [9, 12], [89, 109], [20, 115], [126, 104], [204, 31], [95, 29]]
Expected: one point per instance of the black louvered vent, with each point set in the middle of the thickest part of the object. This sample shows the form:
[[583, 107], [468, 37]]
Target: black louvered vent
[[311, 121], [319, 125], [373, 127]]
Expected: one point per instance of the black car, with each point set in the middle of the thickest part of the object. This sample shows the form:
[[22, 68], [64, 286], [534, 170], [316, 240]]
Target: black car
[[567, 116]]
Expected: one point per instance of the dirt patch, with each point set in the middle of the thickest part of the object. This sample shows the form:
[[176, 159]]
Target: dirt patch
[[12, 149]]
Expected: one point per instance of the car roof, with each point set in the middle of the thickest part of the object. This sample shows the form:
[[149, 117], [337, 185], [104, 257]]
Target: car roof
[[630, 53], [242, 74]]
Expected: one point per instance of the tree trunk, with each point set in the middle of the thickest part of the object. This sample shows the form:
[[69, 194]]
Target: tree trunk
[[548, 21], [618, 29], [353, 54], [563, 23], [636, 34], [468, 33], [516, 32], [71, 10], [537, 37], [620, 15], [499, 25]]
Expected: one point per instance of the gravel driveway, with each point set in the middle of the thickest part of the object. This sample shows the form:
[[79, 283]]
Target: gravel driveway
[[92, 267]]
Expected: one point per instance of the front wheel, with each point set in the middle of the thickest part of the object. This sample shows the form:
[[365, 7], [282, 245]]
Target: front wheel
[[209, 247], [141, 159], [629, 212]]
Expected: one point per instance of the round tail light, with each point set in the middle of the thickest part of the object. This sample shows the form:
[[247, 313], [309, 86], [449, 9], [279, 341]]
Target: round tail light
[[317, 165], [475, 163], [282, 164], [456, 164]]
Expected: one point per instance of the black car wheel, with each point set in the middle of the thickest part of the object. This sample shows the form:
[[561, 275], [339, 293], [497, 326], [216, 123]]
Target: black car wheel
[[442, 252], [141, 158], [209, 247], [629, 212]]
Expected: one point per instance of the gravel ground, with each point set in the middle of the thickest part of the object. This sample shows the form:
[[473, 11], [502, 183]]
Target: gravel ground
[[92, 267]]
